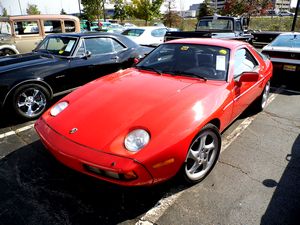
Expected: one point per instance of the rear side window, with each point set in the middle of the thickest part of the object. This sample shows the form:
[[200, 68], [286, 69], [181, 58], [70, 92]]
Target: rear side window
[[69, 26], [117, 46], [133, 32], [158, 32], [52, 26], [26, 27], [99, 45]]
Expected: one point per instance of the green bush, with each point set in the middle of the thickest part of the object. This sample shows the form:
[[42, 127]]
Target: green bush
[[271, 23]]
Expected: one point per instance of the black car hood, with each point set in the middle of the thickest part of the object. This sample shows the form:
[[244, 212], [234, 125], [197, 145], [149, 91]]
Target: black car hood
[[23, 61]]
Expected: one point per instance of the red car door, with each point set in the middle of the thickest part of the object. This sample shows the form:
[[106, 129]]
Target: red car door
[[244, 92]]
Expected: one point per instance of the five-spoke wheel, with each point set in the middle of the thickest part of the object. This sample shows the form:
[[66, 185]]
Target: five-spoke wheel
[[262, 101], [202, 154]]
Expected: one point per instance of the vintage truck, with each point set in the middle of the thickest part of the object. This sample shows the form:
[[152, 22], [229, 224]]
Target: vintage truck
[[225, 27]]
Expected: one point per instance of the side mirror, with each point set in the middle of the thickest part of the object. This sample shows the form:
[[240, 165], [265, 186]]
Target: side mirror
[[88, 54], [249, 77]]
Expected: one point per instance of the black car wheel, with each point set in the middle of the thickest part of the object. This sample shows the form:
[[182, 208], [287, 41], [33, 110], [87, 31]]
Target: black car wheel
[[5, 52], [30, 101], [202, 154]]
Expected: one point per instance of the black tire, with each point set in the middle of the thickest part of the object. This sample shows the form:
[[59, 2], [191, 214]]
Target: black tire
[[261, 102], [202, 154], [6, 52], [30, 101]]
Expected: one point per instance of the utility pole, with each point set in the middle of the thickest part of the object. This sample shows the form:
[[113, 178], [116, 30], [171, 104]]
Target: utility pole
[[103, 7], [216, 6], [20, 7], [79, 8], [296, 15]]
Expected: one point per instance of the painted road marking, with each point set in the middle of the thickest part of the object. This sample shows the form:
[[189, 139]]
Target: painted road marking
[[22, 129], [152, 216]]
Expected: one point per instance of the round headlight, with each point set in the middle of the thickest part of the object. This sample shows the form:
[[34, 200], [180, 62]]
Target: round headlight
[[58, 108], [136, 140]]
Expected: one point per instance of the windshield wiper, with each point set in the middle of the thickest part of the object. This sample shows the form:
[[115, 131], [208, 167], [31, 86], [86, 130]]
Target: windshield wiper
[[189, 74], [150, 69]]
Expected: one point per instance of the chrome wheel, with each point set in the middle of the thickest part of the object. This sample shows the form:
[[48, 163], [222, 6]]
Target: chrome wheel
[[203, 154], [265, 95], [30, 101]]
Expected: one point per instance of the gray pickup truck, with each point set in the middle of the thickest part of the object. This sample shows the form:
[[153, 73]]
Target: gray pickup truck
[[225, 27]]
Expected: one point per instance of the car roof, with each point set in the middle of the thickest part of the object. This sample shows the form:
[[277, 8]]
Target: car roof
[[231, 44], [122, 38], [147, 28]]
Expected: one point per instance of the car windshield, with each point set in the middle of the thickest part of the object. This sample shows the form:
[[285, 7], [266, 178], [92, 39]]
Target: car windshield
[[62, 46], [203, 61], [291, 41], [215, 24]]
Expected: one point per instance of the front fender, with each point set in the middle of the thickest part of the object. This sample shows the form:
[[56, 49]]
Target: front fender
[[10, 47]]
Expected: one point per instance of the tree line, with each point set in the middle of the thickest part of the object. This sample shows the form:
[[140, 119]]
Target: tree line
[[237, 8], [149, 10]]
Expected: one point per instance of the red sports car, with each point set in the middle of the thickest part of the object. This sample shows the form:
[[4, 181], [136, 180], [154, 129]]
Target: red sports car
[[143, 125]]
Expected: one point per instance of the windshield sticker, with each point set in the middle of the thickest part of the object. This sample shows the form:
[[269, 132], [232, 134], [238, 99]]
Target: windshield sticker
[[223, 52], [70, 45], [61, 52], [184, 48], [221, 62]]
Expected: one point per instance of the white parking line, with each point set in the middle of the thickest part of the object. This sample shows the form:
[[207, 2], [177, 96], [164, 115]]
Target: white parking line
[[152, 216], [9, 133]]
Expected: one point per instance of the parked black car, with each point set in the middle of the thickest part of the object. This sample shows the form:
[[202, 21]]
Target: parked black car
[[284, 52], [59, 64]]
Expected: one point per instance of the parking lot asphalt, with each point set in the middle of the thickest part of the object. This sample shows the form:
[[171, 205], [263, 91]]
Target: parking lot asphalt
[[256, 180]]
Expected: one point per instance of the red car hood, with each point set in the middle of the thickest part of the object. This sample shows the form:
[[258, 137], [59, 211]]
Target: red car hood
[[106, 109]]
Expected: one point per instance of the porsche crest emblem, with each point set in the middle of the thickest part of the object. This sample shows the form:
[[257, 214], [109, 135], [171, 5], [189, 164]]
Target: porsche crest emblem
[[74, 130]]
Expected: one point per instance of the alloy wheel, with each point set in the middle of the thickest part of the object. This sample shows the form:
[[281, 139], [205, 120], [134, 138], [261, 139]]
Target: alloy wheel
[[31, 102], [202, 155]]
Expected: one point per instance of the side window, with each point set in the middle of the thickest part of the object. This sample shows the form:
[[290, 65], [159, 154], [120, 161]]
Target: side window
[[238, 26], [99, 45], [52, 26], [117, 46], [5, 28], [69, 26], [26, 27], [133, 32], [158, 32], [243, 62]]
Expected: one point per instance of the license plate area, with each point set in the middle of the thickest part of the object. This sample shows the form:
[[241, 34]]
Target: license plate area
[[289, 68]]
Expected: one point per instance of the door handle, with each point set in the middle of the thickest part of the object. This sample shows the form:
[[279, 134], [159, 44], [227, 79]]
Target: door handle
[[115, 57]]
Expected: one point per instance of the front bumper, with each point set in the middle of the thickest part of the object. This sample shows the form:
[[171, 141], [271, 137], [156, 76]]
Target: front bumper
[[96, 163]]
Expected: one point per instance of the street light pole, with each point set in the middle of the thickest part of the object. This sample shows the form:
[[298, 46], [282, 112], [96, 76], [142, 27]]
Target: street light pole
[[79, 8], [20, 7], [295, 16]]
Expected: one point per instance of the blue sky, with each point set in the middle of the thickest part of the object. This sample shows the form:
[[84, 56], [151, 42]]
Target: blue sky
[[70, 6]]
